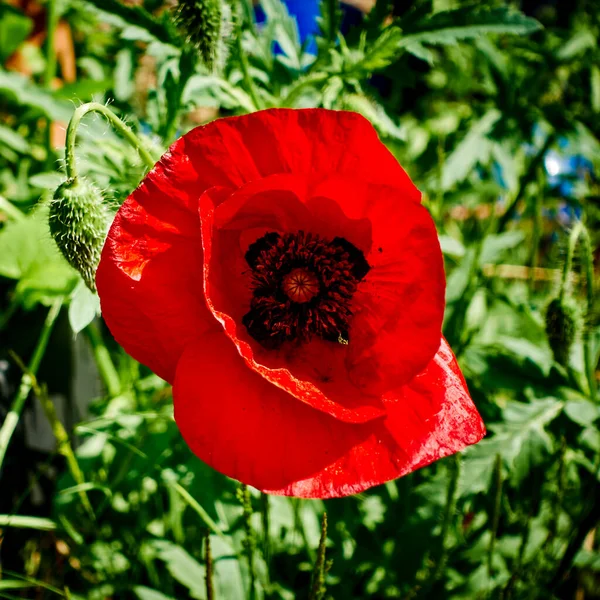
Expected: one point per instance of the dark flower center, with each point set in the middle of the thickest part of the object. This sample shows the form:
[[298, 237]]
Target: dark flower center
[[302, 286]]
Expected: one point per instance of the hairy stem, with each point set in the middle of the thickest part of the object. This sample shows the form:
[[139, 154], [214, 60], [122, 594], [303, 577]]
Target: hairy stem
[[123, 129]]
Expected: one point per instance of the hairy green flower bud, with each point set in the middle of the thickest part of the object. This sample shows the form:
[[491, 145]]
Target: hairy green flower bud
[[202, 23], [78, 220], [563, 324]]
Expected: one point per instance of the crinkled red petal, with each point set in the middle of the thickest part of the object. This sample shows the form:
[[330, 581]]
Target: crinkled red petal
[[227, 294], [149, 275], [149, 279], [239, 423], [398, 307]]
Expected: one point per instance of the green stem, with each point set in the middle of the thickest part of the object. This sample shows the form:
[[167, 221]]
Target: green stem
[[123, 129], [537, 228], [266, 541], [107, 369], [245, 67], [187, 67], [496, 511], [527, 178], [64, 445], [448, 516], [210, 593], [12, 418], [297, 88], [52, 22], [50, 68], [249, 542], [317, 588], [200, 511]]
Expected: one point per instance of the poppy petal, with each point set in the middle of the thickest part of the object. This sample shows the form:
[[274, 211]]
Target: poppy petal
[[240, 424], [149, 279], [228, 295], [399, 306]]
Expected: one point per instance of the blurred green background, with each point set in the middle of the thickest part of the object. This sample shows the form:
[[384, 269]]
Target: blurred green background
[[494, 109]]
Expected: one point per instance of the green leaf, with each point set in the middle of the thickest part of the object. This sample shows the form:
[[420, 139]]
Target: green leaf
[[84, 307], [525, 443], [182, 567], [495, 246], [582, 41], [28, 253], [46, 181], [381, 52], [23, 92], [376, 114], [13, 140], [595, 87], [115, 12], [144, 593], [448, 27], [26, 522], [14, 29], [123, 86], [285, 30], [473, 149], [582, 412], [452, 247]]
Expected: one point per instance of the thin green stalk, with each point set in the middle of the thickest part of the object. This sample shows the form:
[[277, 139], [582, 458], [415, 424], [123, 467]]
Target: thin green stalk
[[10, 210], [63, 444], [518, 567], [590, 521], [296, 89], [266, 542], [106, 368], [496, 511], [439, 196], [123, 129], [52, 16], [317, 588], [12, 418], [210, 593], [52, 23], [526, 179], [245, 67], [199, 510], [537, 229], [187, 67], [249, 542], [448, 517], [25, 522], [299, 527]]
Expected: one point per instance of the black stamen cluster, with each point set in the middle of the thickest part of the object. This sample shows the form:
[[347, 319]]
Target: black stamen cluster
[[274, 318]]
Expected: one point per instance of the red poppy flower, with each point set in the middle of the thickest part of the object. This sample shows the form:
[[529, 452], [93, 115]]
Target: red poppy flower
[[279, 269]]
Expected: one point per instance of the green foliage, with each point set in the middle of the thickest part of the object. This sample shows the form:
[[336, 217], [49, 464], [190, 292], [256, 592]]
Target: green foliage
[[468, 91]]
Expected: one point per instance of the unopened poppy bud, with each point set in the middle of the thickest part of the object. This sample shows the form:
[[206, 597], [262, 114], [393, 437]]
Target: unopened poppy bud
[[202, 23], [563, 323], [78, 220]]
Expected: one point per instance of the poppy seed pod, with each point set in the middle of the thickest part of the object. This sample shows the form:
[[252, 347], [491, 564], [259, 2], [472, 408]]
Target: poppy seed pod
[[563, 323], [201, 23], [78, 221]]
